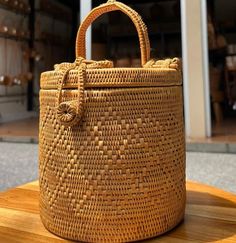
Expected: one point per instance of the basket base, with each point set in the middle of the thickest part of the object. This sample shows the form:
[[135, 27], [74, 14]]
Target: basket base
[[112, 240]]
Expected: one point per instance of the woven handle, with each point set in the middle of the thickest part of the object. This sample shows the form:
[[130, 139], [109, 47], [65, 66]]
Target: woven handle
[[110, 6]]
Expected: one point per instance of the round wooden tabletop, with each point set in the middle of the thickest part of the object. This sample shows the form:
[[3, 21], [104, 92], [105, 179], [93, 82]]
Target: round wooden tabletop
[[210, 217]]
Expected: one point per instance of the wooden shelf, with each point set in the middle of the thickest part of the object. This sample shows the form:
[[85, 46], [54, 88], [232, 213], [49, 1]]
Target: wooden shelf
[[228, 30], [155, 30], [135, 35], [13, 37], [51, 42], [230, 55], [233, 70], [130, 2], [14, 10], [50, 15], [12, 95]]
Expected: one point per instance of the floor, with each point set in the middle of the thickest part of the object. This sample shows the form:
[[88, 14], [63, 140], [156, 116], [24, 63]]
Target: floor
[[224, 132], [222, 141], [19, 164], [226, 128], [20, 131]]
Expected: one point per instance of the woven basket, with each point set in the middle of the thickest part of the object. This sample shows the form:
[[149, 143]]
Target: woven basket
[[112, 149]]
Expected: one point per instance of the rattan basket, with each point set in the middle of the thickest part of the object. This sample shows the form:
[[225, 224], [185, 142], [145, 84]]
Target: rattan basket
[[112, 149]]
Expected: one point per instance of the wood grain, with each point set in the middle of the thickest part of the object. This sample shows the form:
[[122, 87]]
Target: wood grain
[[210, 217]]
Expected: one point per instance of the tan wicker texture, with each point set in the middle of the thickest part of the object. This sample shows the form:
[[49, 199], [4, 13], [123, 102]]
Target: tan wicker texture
[[112, 149]]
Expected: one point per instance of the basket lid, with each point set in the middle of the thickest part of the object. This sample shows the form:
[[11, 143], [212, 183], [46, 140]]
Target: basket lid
[[102, 75]]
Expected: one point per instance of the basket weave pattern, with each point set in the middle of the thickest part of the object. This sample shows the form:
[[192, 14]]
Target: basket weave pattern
[[120, 174], [112, 149]]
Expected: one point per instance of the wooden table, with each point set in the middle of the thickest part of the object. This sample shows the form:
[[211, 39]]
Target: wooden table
[[210, 217]]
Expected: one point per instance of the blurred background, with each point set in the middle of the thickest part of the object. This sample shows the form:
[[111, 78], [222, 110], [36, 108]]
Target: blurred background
[[35, 35]]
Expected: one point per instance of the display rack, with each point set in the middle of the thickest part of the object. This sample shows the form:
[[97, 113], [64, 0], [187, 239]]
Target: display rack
[[17, 11], [224, 26], [52, 35], [12, 37], [50, 15], [30, 88], [60, 13]]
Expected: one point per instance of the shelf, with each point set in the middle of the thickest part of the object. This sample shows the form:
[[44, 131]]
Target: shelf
[[229, 32], [155, 30], [50, 15], [133, 35], [141, 2], [14, 10], [51, 42], [230, 55], [13, 37], [132, 2], [233, 70], [11, 95], [217, 54]]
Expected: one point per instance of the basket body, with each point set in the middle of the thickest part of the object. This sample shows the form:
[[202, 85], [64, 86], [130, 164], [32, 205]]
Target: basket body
[[112, 149], [119, 174]]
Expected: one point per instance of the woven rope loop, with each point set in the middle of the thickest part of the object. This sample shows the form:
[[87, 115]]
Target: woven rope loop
[[69, 113]]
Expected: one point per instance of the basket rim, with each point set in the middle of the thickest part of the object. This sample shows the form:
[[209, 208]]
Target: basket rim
[[115, 78]]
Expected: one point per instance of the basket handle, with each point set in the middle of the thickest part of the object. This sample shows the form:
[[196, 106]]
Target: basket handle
[[110, 6]]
